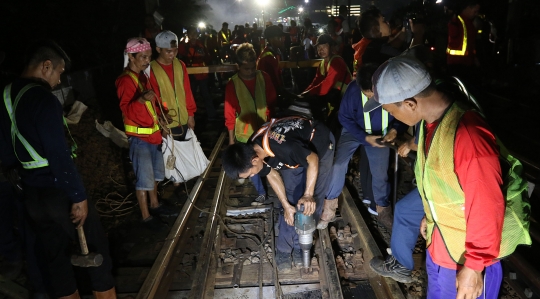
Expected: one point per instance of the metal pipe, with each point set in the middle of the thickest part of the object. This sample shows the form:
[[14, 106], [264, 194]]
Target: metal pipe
[[151, 283]]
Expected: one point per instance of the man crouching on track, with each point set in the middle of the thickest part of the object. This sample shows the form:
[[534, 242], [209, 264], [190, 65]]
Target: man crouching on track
[[302, 150], [473, 217]]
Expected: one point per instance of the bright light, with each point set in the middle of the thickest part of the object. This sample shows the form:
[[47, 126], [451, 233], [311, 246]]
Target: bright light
[[202, 25], [432, 48], [300, 9], [321, 30], [263, 3], [307, 1], [438, 1]]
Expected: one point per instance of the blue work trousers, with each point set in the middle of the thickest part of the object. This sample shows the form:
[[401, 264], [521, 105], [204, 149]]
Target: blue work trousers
[[378, 158], [295, 184], [258, 184], [408, 214]]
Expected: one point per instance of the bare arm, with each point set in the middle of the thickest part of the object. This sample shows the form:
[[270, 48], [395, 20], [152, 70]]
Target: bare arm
[[311, 179], [274, 178]]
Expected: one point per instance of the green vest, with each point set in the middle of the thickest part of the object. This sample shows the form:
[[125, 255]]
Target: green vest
[[443, 197], [252, 111], [174, 98]]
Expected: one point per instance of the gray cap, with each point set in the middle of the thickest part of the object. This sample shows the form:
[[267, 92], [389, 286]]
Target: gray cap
[[397, 79], [166, 40]]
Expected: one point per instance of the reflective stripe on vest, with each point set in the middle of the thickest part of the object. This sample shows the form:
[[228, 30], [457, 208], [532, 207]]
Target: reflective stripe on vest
[[367, 118], [444, 199], [463, 50], [265, 130], [38, 161], [225, 38], [140, 130], [252, 110], [339, 85], [173, 97]]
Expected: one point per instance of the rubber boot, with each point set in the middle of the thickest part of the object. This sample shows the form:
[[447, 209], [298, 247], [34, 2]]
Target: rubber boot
[[328, 214], [385, 217], [109, 294], [72, 296]]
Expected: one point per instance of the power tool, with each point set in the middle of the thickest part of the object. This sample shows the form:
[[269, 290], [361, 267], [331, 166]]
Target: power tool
[[305, 226]]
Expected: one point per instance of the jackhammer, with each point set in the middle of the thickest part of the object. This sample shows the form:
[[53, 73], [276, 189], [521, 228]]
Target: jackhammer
[[305, 226]]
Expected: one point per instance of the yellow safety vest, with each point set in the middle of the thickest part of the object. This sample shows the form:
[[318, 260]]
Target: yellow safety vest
[[252, 110], [444, 199], [130, 126], [339, 85], [463, 50], [367, 118], [174, 98]]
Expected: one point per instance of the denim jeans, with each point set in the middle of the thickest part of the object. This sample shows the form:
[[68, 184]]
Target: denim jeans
[[408, 213], [257, 182], [148, 163]]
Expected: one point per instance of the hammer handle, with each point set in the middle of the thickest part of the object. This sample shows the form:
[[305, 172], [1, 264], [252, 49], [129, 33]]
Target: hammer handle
[[82, 240]]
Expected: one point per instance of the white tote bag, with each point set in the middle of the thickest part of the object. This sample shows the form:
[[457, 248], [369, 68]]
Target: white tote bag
[[190, 159]]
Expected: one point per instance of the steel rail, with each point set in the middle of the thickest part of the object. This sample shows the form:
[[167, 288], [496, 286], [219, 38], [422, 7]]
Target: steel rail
[[198, 287], [151, 283], [384, 288]]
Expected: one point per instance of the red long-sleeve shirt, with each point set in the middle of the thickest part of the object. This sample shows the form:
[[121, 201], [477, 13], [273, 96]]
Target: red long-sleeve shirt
[[190, 101], [129, 93], [476, 163], [270, 65], [322, 84], [232, 106]]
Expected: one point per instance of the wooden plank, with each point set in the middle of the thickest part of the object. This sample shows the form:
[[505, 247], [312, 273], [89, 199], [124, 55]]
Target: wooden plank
[[224, 68], [299, 64]]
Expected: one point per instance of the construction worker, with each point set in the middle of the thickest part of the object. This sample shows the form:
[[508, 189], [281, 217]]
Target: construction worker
[[142, 122], [194, 53], [32, 141], [170, 82], [224, 40], [363, 129], [475, 200], [249, 99], [294, 33], [270, 57], [461, 51], [302, 151]]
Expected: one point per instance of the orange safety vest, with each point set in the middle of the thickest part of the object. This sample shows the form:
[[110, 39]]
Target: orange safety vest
[[131, 127]]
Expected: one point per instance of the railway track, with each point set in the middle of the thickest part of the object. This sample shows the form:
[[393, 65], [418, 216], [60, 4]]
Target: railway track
[[227, 251]]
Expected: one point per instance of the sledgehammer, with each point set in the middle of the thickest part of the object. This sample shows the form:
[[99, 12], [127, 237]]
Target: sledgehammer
[[86, 259]]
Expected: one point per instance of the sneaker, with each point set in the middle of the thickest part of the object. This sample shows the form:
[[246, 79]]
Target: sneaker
[[162, 210], [283, 260], [366, 201], [391, 268], [373, 208], [154, 224], [259, 200], [385, 217], [298, 261]]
